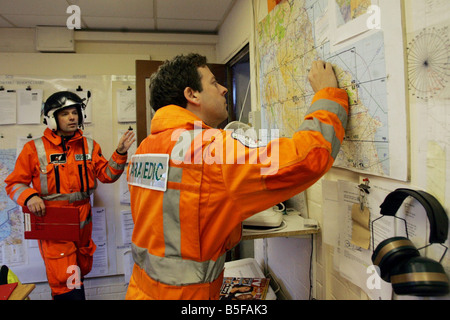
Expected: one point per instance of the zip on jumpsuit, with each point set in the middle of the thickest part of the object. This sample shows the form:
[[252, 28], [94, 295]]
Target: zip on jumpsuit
[[215, 180], [57, 170]]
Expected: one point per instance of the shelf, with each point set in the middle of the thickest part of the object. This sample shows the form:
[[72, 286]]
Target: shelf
[[294, 228]]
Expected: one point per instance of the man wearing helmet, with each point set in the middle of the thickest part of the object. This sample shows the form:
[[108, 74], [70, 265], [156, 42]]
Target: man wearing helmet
[[63, 167]]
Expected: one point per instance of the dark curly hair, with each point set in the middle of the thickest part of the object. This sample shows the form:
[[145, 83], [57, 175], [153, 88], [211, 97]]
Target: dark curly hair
[[168, 83]]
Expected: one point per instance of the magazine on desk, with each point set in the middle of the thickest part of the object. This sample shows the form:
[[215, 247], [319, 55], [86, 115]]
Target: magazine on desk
[[234, 288]]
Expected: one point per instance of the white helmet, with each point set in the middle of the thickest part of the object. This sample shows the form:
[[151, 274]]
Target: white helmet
[[61, 100]]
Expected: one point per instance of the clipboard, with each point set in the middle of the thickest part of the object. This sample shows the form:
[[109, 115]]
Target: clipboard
[[59, 223], [6, 290]]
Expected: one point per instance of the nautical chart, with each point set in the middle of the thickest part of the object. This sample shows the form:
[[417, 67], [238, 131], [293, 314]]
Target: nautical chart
[[12, 245], [289, 39]]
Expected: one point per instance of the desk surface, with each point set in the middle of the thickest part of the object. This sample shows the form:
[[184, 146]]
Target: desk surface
[[294, 227], [22, 291]]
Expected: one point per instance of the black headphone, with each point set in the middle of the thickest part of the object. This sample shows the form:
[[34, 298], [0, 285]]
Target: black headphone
[[398, 259]]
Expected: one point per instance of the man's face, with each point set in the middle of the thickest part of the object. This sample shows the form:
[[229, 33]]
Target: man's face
[[67, 121], [213, 101]]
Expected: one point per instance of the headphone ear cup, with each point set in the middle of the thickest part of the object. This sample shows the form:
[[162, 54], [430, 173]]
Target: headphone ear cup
[[50, 122], [391, 252], [420, 276]]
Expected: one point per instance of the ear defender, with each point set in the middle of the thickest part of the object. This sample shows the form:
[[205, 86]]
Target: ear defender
[[391, 252], [399, 261], [50, 121], [419, 276]]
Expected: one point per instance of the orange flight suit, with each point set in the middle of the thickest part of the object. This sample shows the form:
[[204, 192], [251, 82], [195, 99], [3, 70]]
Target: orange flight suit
[[215, 179], [56, 169]]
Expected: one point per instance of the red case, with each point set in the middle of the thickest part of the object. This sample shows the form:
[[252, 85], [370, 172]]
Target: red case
[[59, 223]]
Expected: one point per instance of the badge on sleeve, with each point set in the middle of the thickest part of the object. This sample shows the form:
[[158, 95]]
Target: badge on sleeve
[[247, 141]]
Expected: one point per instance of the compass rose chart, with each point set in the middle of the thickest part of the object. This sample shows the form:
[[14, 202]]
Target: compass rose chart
[[428, 58], [429, 62]]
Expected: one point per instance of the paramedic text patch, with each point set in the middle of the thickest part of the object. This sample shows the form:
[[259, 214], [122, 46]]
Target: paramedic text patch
[[149, 171]]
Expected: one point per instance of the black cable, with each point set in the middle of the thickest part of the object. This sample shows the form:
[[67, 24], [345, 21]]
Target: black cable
[[310, 268], [85, 167]]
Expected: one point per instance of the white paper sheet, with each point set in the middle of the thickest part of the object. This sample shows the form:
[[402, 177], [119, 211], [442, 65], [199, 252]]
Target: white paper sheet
[[126, 105], [100, 264], [8, 102], [330, 211], [355, 263], [127, 226], [29, 105]]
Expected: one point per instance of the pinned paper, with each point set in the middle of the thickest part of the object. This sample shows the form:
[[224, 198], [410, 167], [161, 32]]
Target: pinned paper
[[29, 104], [8, 102], [360, 226]]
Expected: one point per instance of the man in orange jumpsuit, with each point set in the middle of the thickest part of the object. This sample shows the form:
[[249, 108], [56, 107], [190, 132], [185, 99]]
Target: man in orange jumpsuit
[[191, 185], [63, 167]]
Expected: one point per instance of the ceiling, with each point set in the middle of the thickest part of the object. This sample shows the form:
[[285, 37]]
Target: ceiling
[[175, 16]]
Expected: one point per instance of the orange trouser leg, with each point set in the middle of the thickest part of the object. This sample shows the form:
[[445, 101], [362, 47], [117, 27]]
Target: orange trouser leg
[[67, 262], [58, 257]]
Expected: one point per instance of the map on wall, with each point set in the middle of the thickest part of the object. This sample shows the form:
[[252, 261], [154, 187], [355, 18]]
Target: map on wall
[[293, 35], [350, 10], [12, 244]]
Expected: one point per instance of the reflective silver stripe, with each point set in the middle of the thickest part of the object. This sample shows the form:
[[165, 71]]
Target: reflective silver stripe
[[171, 199], [175, 174], [90, 143], [327, 131], [18, 189], [330, 106], [90, 149], [71, 197], [112, 176], [86, 222], [175, 270], [171, 223], [115, 165], [42, 156]]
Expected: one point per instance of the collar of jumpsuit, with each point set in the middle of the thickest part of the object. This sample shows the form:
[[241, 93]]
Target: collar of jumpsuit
[[54, 138], [175, 117]]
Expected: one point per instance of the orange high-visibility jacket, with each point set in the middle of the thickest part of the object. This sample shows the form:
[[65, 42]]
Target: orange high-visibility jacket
[[57, 172], [189, 213]]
